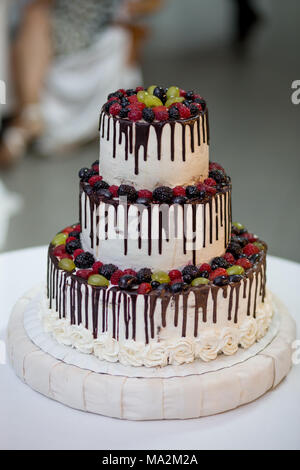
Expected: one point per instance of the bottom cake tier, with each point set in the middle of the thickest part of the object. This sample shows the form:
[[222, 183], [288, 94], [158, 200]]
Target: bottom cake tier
[[155, 319]]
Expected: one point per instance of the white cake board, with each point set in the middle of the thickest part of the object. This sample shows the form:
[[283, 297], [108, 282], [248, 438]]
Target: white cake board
[[122, 395]]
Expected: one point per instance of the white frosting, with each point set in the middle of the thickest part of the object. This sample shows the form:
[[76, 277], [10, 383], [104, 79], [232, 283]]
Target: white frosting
[[211, 340], [108, 239], [154, 172]]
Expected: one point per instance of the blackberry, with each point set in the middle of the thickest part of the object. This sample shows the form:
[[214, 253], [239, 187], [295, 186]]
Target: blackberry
[[143, 200], [84, 260], [187, 103], [202, 195], [192, 192], [144, 275], [107, 270], [218, 176], [204, 274], [176, 288], [174, 114], [163, 194], [116, 94], [96, 162], [100, 185], [162, 288], [84, 174], [240, 240], [130, 92], [179, 200], [160, 93], [221, 281], [187, 278], [127, 191], [108, 105], [235, 278], [200, 101], [124, 102], [74, 234], [123, 113], [155, 284], [194, 110], [190, 270], [190, 95], [234, 249], [219, 262], [72, 246], [104, 193], [127, 282], [148, 114]]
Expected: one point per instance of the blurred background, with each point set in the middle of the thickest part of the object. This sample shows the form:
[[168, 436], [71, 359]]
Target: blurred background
[[59, 59]]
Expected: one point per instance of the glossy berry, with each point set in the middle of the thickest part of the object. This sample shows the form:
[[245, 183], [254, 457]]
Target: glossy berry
[[190, 270], [144, 193], [205, 267], [59, 251], [144, 288], [194, 110], [163, 194], [83, 172], [131, 272], [250, 249], [218, 176], [210, 190], [72, 246], [66, 255], [254, 258], [161, 113], [250, 237], [78, 252], [77, 228], [104, 193], [244, 262], [240, 240], [116, 277], [176, 287], [98, 281], [70, 239], [127, 282], [148, 114], [204, 274], [219, 262], [144, 275], [114, 190], [133, 99], [175, 274], [135, 114], [124, 102], [229, 258], [221, 281], [127, 191], [96, 267], [160, 93], [162, 289], [179, 200], [74, 234], [189, 95], [130, 92], [115, 109], [173, 92], [179, 191], [215, 166], [235, 278], [107, 270], [192, 192], [155, 284], [234, 249], [124, 113], [174, 114], [84, 260], [161, 277], [84, 273], [143, 200], [217, 273], [66, 264], [184, 111], [200, 281], [210, 182]]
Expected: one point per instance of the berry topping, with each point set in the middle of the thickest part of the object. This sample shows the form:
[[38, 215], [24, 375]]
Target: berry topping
[[161, 113], [235, 278], [59, 251], [124, 113], [217, 273], [205, 267], [98, 281], [127, 191], [210, 190], [235, 249], [173, 92], [163, 194], [96, 267], [250, 249], [215, 166], [104, 193], [250, 237], [184, 112], [175, 274], [152, 101], [115, 108], [148, 114], [113, 190], [84, 273], [192, 192], [77, 252], [229, 258], [189, 95], [173, 113], [218, 176], [107, 270], [221, 281], [219, 262], [84, 260], [100, 184], [85, 174], [144, 193], [210, 182], [130, 272], [116, 277], [135, 114], [176, 287], [191, 271], [133, 99], [72, 246], [70, 239], [179, 191], [179, 200], [127, 282], [160, 93], [244, 262], [144, 288], [144, 275], [66, 264]]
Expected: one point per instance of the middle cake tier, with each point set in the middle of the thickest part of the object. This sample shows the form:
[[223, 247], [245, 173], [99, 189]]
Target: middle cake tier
[[159, 236]]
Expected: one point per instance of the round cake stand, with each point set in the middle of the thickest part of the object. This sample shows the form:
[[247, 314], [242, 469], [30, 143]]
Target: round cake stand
[[131, 398]]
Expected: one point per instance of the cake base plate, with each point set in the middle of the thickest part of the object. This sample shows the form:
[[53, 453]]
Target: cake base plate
[[150, 398]]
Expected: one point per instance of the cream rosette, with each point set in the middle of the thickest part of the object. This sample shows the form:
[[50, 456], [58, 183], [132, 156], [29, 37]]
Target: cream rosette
[[131, 353], [207, 346], [106, 348], [229, 341], [248, 333], [181, 351], [155, 354], [61, 332], [82, 339]]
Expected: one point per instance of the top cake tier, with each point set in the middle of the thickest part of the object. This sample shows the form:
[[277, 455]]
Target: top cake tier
[[154, 138]]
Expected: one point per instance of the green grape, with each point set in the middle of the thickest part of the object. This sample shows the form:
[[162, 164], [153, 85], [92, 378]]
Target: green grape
[[59, 239], [235, 270], [141, 95], [98, 280], [178, 99], [161, 277], [173, 92], [200, 281], [238, 225], [66, 264], [151, 89], [152, 101], [259, 245]]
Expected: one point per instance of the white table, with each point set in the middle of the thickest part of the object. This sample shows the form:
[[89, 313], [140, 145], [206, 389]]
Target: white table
[[31, 421]]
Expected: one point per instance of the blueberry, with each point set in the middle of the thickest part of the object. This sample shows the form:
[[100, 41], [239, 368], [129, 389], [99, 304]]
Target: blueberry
[[189, 95], [84, 260], [202, 195], [74, 234], [234, 249], [130, 92], [127, 282], [177, 287], [190, 270], [219, 262], [174, 114], [192, 192], [107, 270], [100, 185], [204, 274], [240, 240], [72, 246], [163, 194], [187, 278], [124, 113], [254, 258], [218, 176], [201, 101], [160, 93], [179, 200], [194, 110], [155, 284], [144, 275], [125, 102], [187, 103], [127, 191], [148, 114], [221, 281], [116, 94], [84, 174], [104, 193], [162, 288], [143, 200], [235, 278]]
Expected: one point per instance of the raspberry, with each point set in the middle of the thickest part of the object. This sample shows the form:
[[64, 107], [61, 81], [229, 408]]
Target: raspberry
[[94, 179], [175, 274], [96, 167], [215, 166], [217, 273], [132, 99], [210, 190], [210, 182], [96, 266], [78, 252], [135, 114], [250, 237], [77, 228], [144, 193], [198, 106], [84, 273], [250, 249], [201, 186], [144, 288], [114, 190], [130, 272], [179, 191], [66, 255], [161, 113], [138, 105], [182, 92], [113, 98], [115, 109], [59, 251], [205, 267], [184, 112], [116, 277], [70, 239], [68, 230], [139, 88], [122, 91], [244, 262], [229, 258]]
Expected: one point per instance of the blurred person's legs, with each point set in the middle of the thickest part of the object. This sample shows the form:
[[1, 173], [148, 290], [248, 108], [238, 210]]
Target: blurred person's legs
[[31, 55], [247, 17]]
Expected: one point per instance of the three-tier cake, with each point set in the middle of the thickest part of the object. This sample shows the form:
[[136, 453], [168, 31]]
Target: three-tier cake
[[155, 273]]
